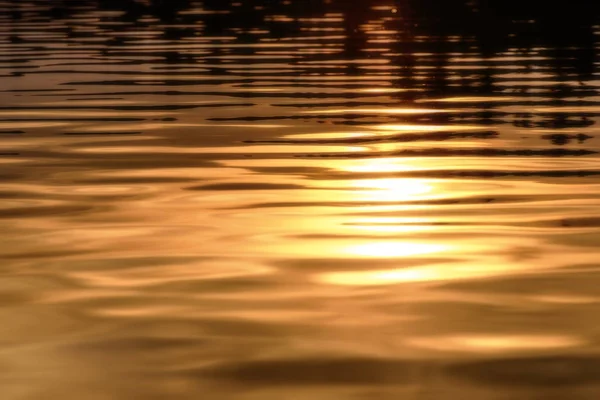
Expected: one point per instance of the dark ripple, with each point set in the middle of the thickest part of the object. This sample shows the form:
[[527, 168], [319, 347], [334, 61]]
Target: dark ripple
[[321, 371], [152, 107], [246, 186], [407, 137], [72, 119], [107, 133], [572, 280], [440, 152], [471, 200], [42, 211], [310, 265], [542, 372]]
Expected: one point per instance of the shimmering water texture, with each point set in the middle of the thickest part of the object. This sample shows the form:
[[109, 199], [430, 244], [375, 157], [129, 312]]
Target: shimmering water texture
[[299, 200]]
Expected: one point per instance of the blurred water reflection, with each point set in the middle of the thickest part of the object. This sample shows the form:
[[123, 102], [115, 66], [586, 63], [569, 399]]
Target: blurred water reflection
[[319, 199]]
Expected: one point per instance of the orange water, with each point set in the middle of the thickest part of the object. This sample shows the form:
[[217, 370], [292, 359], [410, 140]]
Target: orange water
[[297, 201]]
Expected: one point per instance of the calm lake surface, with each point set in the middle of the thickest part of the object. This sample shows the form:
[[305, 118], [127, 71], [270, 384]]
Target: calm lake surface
[[294, 200]]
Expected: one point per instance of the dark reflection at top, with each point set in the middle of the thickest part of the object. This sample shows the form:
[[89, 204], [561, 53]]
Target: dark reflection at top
[[425, 49], [492, 25]]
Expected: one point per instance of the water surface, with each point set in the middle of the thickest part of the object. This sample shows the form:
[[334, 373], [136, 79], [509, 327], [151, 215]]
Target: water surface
[[299, 200]]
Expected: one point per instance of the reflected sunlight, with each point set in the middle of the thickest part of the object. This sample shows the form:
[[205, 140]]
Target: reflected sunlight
[[392, 224], [423, 128], [394, 249], [495, 343], [430, 273], [380, 165], [391, 189]]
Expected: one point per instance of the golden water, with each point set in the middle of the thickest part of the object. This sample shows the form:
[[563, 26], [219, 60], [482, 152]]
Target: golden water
[[297, 200]]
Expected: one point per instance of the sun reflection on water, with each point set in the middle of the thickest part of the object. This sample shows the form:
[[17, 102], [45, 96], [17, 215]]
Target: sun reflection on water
[[394, 249], [440, 272], [496, 343], [391, 189]]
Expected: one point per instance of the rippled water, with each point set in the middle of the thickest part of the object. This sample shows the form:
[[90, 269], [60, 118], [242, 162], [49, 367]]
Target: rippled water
[[299, 200]]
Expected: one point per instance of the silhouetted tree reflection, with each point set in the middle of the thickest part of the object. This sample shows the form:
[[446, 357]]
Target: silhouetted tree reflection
[[429, 36]]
